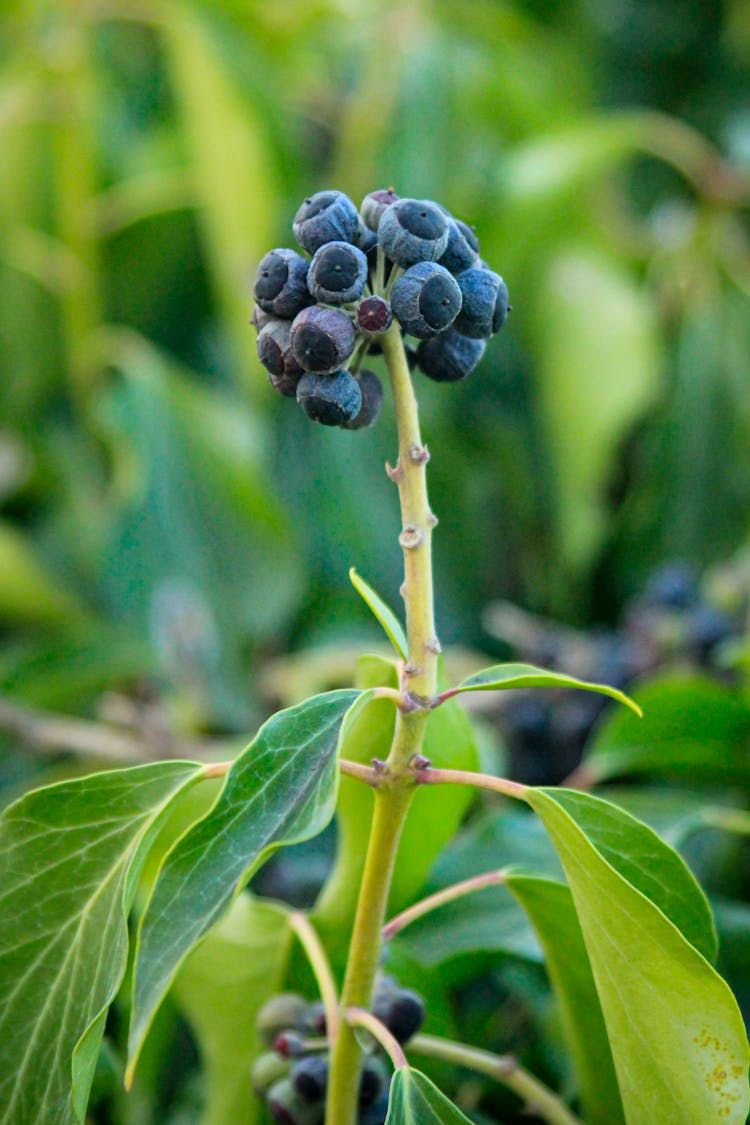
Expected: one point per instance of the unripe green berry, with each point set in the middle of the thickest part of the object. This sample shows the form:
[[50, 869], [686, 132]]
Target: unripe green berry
[[268, 1068], [281, 1012]]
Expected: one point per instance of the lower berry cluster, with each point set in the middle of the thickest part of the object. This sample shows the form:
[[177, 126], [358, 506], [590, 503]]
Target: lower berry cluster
[[292, 1075], [407, 260]]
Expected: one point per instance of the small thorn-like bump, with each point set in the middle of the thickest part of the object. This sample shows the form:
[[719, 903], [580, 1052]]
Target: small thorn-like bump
[[419, 454], [433, 645], [412, 669], [394, 474], [402, 590], [420, 762], [432, 519], [411, 537], [379, 766]]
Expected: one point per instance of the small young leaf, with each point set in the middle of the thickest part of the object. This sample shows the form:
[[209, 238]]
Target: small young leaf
[[69, 861], [677, 1037], [414, 1099], [384, 614], [550, 907], [220, 988], [501, 677], [280, 790]]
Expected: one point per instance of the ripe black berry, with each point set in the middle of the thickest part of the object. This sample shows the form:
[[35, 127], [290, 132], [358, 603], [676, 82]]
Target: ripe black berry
[[426, 300], [326, 216], [485, 303], [337, 273], [309, 1077], [374, 315], [403, 1014], [281, 283], [332, 400], [372, 400], [449, 357], [322, 339]]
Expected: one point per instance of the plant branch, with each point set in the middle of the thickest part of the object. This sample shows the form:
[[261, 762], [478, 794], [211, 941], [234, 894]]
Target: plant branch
[[368, 774], [396, 782], [316, 955], [538, 1098], [441, 898], [359, 1017], [502, 785]]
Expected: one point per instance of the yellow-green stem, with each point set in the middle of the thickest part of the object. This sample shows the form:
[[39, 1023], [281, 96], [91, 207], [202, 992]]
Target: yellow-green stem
[[396, 788]]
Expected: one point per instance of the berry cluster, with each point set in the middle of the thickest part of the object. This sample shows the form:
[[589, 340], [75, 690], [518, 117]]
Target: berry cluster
[[402, 259], [292, 1076], [674, 622]]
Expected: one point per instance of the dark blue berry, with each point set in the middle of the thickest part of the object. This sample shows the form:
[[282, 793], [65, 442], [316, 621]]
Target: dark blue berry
[[403, 1014], [322, 339], [413, 230], [485, 303], [274, 352], [309, 1077], [280, 286], [374, 315], [449, 357], [332, 400], [426, 300], [372, 400], [289, 1045], [462, 251], [373, 1082], [366, 239], [261, 318], [673, 586], [375, 204], [337, 273], [327, 216]]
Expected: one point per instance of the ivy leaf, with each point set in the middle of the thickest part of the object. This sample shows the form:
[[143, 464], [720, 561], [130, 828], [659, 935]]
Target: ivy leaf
[[502, 677], [646, 861], [677, 1037], [691, 724], [550, 907], [385, 615], [70, 856], [280, 790], [416, 1100], [220, 988]]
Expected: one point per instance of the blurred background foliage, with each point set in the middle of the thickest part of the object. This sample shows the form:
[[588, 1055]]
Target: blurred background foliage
[[164, 517], [170, 529]]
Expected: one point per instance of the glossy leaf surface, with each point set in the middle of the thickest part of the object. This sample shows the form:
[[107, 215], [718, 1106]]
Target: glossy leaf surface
[[417, 1101], [503, 677], [69, 859], [280, 790], [385, 615]]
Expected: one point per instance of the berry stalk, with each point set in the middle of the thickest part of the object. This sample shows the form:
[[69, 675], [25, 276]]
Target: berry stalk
[[396, 787]]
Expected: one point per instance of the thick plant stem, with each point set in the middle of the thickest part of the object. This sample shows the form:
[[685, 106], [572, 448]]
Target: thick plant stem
[[396, 786]]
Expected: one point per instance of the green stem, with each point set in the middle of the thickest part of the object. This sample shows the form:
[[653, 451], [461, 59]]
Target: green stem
[[359, 1017], [395, 787], [441, 898], [538, 1098], [316, 955]]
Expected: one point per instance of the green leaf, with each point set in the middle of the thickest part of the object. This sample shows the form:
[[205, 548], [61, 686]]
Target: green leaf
[[233, 171], [648, 863], [70, 856], [414, 1100], [690, 724], [384, 614], [598, 348], [219, 989], [550, 907], [433, 818], [280, 790], [503, 677], [676, 1033]]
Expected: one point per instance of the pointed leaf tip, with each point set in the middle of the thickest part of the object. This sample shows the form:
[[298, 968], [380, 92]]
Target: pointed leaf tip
[[503, 677], [384, 614]]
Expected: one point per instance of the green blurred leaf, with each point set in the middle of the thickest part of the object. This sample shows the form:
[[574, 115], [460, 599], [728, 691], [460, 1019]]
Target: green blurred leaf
[[385, 615], [220, 988], [70, 857], [677, 1037], [690, 724], [502, 677], [414, 1099], [194, 523], [280, 790], [29, 594], [233, 169], [598, 355], [550, 907]]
